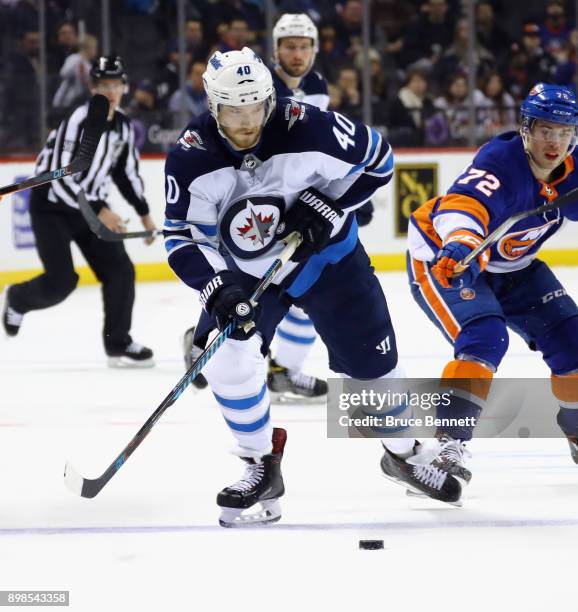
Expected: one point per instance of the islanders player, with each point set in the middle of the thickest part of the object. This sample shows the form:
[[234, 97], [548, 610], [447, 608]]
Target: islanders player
[[505, 286]]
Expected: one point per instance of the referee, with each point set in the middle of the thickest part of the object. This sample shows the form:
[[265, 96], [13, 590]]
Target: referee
[[57, 221]]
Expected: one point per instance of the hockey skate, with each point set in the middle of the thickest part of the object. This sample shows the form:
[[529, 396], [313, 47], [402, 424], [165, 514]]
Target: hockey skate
[[192, 352], [261, 484], [452, 456], [11, 320], [573, 444], [289, 386], [133, 356], [422, 478]]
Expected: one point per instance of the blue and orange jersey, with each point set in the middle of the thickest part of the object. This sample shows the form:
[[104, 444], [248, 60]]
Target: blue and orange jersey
[[497, 185]]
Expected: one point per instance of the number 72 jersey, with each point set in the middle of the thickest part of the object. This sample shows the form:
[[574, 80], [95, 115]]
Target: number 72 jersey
[[497, 185]]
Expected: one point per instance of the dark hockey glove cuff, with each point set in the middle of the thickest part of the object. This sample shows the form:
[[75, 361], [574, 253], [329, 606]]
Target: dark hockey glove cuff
[[225, 300], [313, 215]]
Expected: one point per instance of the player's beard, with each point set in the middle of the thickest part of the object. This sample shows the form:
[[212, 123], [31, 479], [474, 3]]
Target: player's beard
[[292, 72]]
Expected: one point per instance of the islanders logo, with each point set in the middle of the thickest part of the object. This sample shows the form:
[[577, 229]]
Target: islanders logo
[[248, 226], [516, 244]]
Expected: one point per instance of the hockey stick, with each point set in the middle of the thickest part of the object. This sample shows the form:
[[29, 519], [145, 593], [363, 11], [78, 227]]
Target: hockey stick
[[492, 238], [91, 487], [100, 229], [94, 125]]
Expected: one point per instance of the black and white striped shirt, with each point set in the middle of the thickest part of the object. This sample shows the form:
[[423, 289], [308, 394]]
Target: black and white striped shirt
[[116, 159]]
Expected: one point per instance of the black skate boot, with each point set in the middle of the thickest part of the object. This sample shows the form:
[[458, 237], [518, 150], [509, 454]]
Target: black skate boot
[[451, 458], [11, 320], [422, 479], [262, 483], [291, 386], [192, 352], [134, 355], [573, 444]]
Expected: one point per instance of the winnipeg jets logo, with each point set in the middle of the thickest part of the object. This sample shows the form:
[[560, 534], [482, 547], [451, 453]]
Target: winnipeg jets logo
[[247, 227], [191, 139], [383, 347], [257, 227], [294, 112]]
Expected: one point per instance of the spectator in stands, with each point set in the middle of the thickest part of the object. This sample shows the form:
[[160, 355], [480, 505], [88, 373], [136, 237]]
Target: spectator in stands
[[495, 107], [194, 102], [380, 86], [555, 29], [328, 59], [409, 112], [146, 118], [74, 88], [348, 83], [21, 112], [491, 35], [565, 58], [348, 26], [225, 11], [167, 81], [455, 59], [429, 35], [65, 45], [195, 40], [529, 63], [453, 103], [235, 36], [335, 97]]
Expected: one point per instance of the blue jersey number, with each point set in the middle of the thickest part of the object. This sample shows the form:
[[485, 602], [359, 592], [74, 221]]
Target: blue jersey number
[[241, 70]]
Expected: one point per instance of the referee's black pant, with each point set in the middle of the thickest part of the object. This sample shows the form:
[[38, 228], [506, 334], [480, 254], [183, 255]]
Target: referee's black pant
[[55, 227]]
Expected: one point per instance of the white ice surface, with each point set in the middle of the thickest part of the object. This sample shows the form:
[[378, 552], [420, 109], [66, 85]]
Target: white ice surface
[[150, 540]]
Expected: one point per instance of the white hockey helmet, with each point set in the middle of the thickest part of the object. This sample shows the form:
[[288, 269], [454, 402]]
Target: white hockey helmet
[[238, 78], [298, 25]]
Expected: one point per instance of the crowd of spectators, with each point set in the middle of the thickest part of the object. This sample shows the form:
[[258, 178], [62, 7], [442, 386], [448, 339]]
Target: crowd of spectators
[[418, 61]]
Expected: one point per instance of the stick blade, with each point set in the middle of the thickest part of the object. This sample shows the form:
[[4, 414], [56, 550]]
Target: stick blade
[[72, 479]]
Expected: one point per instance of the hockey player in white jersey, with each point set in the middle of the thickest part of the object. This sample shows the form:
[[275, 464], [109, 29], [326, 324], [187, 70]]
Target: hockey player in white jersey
[[295, 45], [242, 177]]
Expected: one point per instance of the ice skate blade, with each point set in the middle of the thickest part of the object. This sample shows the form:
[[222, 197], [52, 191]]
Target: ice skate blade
[[413, 492], [232, 517], [285, 397], [126, 363]]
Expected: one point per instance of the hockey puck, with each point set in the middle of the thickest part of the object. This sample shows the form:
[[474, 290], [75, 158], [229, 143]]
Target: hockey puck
[[370, 544]]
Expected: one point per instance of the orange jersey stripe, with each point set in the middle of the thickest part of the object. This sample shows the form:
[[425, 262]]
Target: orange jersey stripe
[[422, 218], [433, 300], [462, 203]]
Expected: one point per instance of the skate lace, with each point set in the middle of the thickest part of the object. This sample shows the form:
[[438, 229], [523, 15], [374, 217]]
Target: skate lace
[[430, 475], [454, 451], [299, 379], [13, 317], [252, 477]]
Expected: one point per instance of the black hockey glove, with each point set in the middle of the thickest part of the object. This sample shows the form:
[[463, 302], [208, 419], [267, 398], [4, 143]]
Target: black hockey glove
[[313, 216], [225, 300]]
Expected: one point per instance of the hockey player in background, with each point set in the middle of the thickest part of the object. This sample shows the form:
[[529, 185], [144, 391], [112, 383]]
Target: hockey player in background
[[295, 45], [57, 221], [507, 286], [245, 175]]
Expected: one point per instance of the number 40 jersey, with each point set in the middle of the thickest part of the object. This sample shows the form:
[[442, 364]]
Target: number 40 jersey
[[223, 207], [497, 185]]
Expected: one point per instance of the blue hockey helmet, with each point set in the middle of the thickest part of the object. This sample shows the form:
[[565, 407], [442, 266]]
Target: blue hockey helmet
[[546, 102], [554, 103]]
